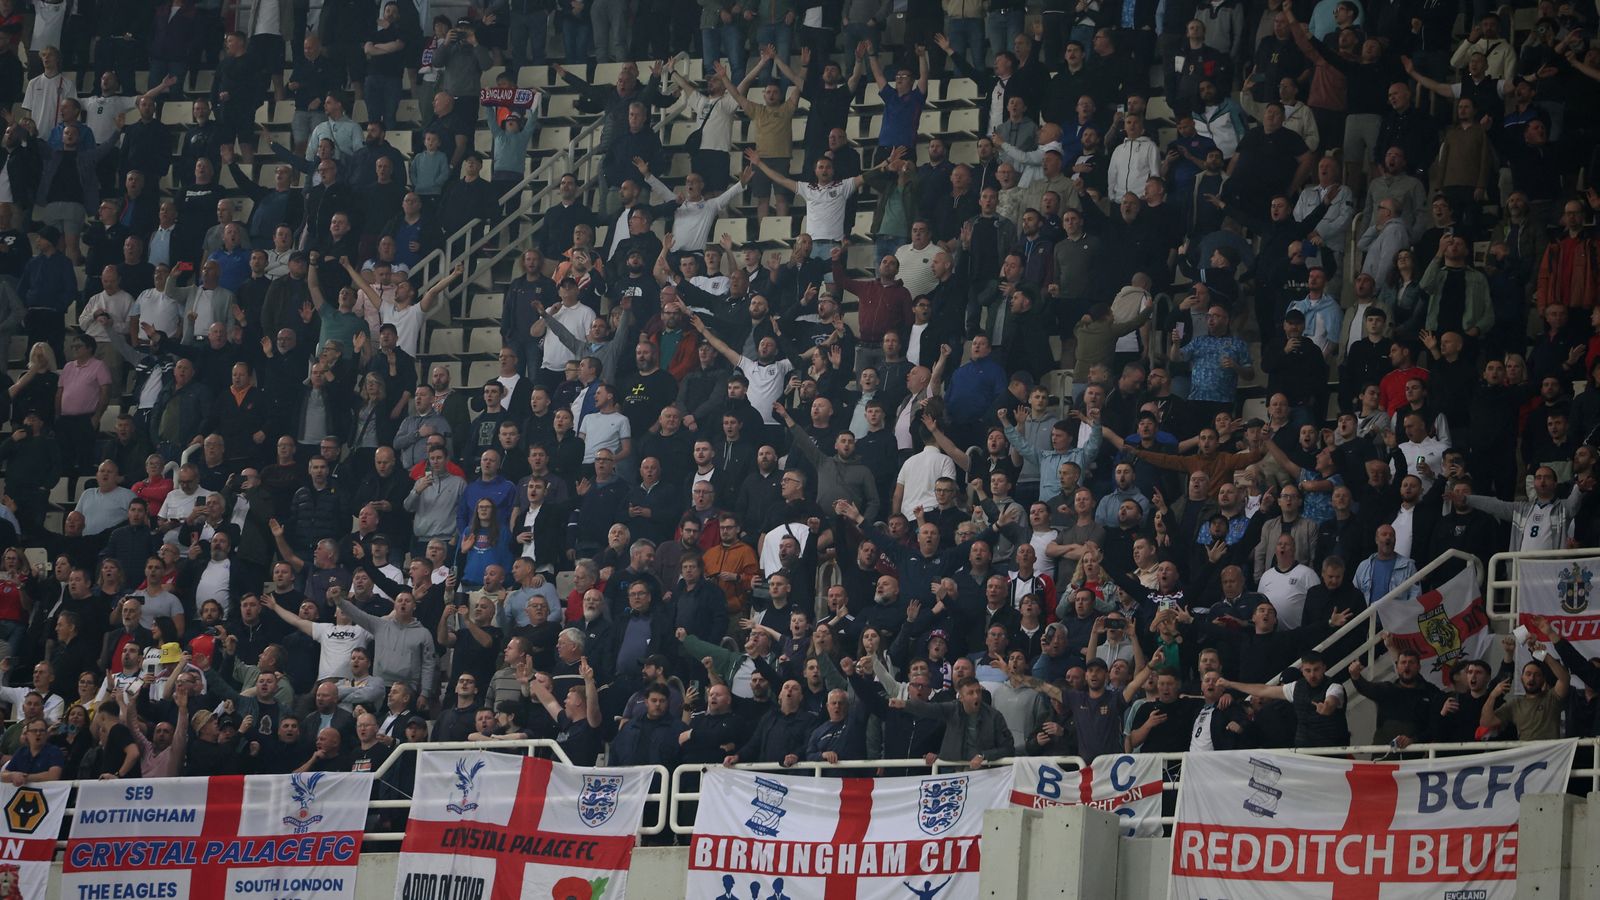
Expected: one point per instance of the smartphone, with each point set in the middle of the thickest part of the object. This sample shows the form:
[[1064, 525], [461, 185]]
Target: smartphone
[[149, 667], [1183, 328], [1422, 461]]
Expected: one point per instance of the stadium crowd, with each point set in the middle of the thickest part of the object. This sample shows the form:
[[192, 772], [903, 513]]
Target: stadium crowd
[[796, 512]]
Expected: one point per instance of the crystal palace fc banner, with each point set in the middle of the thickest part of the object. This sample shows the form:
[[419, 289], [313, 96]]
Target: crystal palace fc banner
[[1124, 784], [28, 836], [260, 837], [1257, 825], [771, 835], [492, 826], [1446, 627]]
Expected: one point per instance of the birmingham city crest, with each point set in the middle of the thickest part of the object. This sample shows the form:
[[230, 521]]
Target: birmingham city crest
[[597, 802], [1572, 586], [939, 803]]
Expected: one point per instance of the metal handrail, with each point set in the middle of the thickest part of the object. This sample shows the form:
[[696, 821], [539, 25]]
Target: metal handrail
[[1172, 766], [1510, 585], [1369, 616], [575, 155]]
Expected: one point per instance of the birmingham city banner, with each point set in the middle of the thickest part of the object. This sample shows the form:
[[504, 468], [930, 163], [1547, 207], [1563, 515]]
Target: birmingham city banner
[[1561, 590], [257, 836], [1447, 626], [493, 826], [1124, 784], [1260, 825], [771, 835], [28, 836]]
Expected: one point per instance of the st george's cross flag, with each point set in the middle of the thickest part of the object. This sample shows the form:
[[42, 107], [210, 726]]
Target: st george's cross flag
[[229, 836], [28, 833], [1447, 627], [1264, 825], [493, 826], [1127, 785], [841, 838]]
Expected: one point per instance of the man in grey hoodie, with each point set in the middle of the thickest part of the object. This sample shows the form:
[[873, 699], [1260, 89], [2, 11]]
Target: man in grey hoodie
[[402, 646], [839, 477]]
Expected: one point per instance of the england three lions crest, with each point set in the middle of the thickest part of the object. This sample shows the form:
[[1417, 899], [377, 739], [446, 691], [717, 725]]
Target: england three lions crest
[[940, 802], [303, 790], [597, 802]]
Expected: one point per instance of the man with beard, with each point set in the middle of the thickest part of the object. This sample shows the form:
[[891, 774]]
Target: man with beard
[[1537, 712], [1408, 707]]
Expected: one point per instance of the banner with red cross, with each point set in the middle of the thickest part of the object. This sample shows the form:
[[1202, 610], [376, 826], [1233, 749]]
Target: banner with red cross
[[769, 835], [494, 826], [1264, 825], [258, 836], [28, 835], [1123, 784]]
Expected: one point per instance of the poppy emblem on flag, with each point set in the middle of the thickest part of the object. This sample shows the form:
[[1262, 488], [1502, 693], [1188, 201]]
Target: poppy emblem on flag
[[303, 789], [597, 802], [466, 783], [1572, 586], [1441, 634], [940, 802]]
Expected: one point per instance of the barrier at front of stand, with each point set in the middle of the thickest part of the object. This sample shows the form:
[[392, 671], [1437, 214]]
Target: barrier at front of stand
[[866, 838], [227, 836], [496, 826], [1261, 825]]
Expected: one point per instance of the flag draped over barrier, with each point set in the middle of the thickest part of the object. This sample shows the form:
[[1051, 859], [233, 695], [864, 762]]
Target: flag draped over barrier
[[1125, 784], [841, 838], [1561, 590], [1262, 825], [258, 836], [1447, 627], [28, 835], [492, 826]]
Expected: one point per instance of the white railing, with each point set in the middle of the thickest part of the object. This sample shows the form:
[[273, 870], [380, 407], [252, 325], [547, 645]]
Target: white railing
[[1502, 594], [656, 799], [582, 157], [1368, 618], [1585, 768]]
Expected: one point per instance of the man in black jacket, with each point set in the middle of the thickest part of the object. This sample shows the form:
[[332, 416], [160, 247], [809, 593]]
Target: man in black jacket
[[781, 734]]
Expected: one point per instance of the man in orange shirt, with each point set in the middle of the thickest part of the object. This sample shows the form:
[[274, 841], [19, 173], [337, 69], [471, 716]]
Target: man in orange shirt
[[731, 565], [1392, 389]]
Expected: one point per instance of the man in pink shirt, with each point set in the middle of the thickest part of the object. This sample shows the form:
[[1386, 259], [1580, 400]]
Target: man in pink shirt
[[84, 392]]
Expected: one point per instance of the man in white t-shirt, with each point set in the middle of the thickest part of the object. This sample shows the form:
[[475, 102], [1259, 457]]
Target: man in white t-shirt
[[186, 495], [576, 317], [335, 640], [919, 475], [767, 374], [825, 198], [605, 428], [1286, 582]]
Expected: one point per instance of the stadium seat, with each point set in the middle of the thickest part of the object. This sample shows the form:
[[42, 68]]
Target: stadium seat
[[444, 342], [486, 305], [483, 340], [481, 373]]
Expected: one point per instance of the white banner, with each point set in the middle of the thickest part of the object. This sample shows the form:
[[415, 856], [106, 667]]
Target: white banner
[[261, 836], [1126, 784], [1447, 627], [1261, 825], [771, 835], [1561, 590], [28, 835], [493, 826]]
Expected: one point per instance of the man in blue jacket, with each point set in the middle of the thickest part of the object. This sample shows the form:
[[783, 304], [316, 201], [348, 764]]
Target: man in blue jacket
[[48, 287]]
